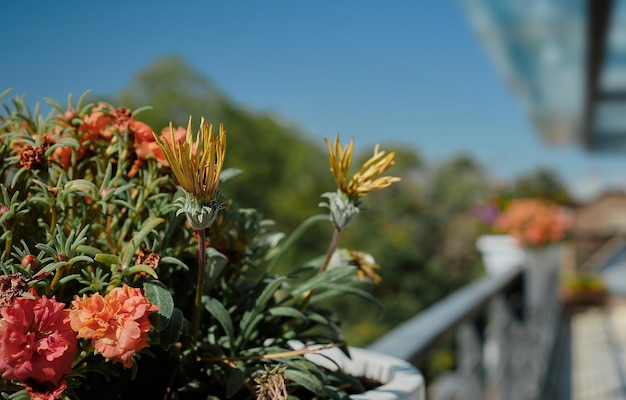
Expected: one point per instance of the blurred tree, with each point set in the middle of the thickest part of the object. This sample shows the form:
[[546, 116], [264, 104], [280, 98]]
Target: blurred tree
[[175, 90], [541, 182]]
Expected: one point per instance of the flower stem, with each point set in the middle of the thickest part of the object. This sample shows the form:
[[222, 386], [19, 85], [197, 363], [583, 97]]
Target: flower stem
[[200, 284], [329, 253]]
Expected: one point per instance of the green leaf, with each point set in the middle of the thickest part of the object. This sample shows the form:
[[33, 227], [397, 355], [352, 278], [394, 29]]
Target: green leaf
[[333, 290], [135, 269], [218, 258], [172, 331], [291, 240], [251, 318], [76, 259], [159, 295], [334, 393], [89, 250], [235, 382], [217, 309], [330, 275], [131, 247], [108, 259], [285, 312], [268, 292], [229, 173], [306, 380], [68, 278], [174, 261], [21, 395]]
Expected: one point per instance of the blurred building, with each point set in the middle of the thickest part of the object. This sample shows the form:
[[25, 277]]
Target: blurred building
[[565, 61], [599, 229]]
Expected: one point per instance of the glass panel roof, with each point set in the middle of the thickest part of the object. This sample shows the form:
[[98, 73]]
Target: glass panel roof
[[539, 46]]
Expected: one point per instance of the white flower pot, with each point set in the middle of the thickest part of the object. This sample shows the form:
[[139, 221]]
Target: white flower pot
[[401, 380], [500, 253]]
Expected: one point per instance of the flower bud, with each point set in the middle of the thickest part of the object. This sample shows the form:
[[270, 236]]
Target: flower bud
[[31, 260], [70, 114], [342, 208]]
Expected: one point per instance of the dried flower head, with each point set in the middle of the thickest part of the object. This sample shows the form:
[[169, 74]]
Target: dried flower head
[[271, 384], [11, 287], [31, 157], [147, 257]]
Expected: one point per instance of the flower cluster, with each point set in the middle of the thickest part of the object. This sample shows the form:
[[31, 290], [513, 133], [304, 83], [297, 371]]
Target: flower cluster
[[125, 272], [534, 221], [117, 324]]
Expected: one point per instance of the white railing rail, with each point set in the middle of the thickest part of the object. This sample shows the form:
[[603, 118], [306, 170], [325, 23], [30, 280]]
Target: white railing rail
[[505, 327]]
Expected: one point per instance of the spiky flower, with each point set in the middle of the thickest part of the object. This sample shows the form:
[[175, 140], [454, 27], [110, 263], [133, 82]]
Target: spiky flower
[[197, 164], [344, 204], [368, 178]]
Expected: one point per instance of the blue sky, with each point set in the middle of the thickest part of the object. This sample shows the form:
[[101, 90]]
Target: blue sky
[[381, 71]]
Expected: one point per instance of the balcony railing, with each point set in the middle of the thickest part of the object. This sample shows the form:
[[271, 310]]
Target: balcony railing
[[506, 328]]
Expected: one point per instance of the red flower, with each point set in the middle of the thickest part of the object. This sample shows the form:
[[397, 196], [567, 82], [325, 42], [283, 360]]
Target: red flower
[[37, 345], [117, 323]]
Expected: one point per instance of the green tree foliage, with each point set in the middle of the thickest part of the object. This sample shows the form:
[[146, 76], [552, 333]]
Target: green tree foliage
[[542, 182]]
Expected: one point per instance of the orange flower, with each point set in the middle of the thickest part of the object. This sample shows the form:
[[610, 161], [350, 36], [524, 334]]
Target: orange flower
[[534, 221], [96, 122], [146, 145], [117, 323]]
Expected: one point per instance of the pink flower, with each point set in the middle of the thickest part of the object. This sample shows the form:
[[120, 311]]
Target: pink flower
[[117, 323], [37, 345], [145, 145]]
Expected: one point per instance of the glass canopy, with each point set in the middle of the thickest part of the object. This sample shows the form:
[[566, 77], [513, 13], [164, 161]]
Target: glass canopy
[[565, 61]]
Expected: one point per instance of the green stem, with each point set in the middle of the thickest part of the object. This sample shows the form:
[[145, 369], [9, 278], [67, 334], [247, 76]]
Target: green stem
[[199, 285], [329, 254], [289, 242], [9, 242], [53, 219]]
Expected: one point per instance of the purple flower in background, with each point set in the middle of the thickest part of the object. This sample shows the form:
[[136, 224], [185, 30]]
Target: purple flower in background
[[487, 213]]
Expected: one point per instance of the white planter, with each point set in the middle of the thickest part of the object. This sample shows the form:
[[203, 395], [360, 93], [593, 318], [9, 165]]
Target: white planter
[[401, 380], [500, 253]]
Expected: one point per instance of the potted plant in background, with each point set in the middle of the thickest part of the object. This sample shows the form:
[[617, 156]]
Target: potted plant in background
[[500, 251], [126, 273], [534, 222], [539, 226], [582, 289]]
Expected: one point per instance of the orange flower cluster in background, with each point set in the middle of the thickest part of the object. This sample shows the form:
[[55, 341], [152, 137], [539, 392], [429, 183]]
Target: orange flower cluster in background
[[534, 221]]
